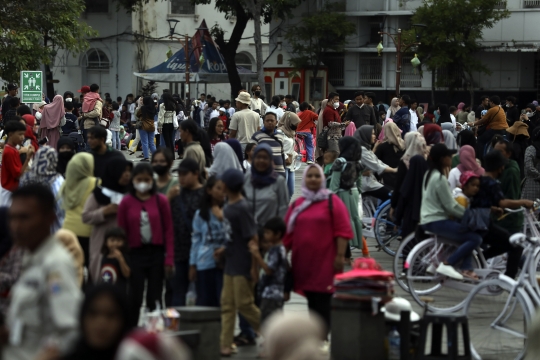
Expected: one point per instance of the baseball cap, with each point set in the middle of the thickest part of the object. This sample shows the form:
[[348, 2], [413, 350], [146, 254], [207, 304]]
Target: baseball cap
[[494, 160], [12, 86], [466, 176], [222, 109], [85, 89], [188, 165], [438, 151], [233, 179]]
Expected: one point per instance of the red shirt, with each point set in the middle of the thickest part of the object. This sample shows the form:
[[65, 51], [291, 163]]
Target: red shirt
[[308, 118], [330, 115], [11, 168]]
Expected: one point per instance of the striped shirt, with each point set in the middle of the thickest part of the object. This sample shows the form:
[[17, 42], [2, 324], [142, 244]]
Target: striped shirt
[[276, 143]]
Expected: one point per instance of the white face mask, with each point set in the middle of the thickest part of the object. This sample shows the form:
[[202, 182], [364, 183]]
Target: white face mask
[[38, 115], [336, 105], [142, 187], [283, 104], [529, 114]]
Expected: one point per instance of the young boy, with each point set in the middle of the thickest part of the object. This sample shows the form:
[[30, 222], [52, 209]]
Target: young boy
[[273, 267], [71, 120], [237, 294], [12, 168]]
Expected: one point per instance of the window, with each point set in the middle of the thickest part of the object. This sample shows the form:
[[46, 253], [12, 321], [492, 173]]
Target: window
[[242, 60], [97, 6], [375, 26], [268, 91], [280, 59], [182, 7], [410, 76], [296, 91], [96, 59], [336, 68], [371, 71], [316, 89]]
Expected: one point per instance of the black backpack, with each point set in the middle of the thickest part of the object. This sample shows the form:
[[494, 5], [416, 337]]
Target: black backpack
[[349, 173]]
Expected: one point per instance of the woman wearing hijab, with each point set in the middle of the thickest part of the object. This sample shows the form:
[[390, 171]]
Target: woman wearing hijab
[[104, 322], [266, 191], [449, 140], [146, 114], [224, 159], [430, 114], [467, 162], [433, 134], [318, 230], [101, 208], [391, 151], [444, 114], [43, 171], [370, 185], [393, 109], [288, 124], [531, 185], [346, 183], [237, 148], [53, 117], [465, 137], [77, 187], [66, 149], [29, 134], [460, 107]]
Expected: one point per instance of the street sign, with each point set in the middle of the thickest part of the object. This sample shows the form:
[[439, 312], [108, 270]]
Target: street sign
[[31, 86]]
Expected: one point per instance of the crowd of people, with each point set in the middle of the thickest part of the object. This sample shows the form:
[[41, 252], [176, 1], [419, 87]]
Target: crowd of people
[[105, 235]]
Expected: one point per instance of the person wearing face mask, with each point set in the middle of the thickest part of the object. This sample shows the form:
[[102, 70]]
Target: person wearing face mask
[[256, 102], [101, 207], [66, 150], [145, 216], [512, 112], [270, 135], [162, 161], [332, 120], [529, 116]]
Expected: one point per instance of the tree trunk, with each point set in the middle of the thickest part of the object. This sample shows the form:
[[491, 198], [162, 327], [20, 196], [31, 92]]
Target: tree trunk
[[48, 74], [258, 43], [433, 78]]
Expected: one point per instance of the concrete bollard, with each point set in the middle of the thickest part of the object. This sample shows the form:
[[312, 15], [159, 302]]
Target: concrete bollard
[[208, 321]]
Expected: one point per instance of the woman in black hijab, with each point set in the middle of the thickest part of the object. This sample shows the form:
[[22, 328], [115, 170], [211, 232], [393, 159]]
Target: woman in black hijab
[[66, 149], [444, 114], [103, 324]]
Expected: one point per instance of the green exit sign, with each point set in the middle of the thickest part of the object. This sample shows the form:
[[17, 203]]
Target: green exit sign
[[31, 86]]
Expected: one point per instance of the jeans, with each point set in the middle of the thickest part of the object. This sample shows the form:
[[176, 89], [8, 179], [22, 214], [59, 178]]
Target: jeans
[[290, 182], [180, 283], [116, 140], [455, 232], [498, 240], [209, 286], [147, 139], [308, 140], [147, 266]]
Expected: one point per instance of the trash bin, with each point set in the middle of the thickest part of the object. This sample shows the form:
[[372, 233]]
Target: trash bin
[[208, 321]]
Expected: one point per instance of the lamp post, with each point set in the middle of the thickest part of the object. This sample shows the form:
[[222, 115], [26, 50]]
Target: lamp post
[[401, 48], [185, 42]]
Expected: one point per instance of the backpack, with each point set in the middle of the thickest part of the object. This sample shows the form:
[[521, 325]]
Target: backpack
[[349, 174]]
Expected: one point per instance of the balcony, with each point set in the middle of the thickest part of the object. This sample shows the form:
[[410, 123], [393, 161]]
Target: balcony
[[531, 4], [501, 5]]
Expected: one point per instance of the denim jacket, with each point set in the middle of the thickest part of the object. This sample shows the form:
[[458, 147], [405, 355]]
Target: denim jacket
[[204, 243]]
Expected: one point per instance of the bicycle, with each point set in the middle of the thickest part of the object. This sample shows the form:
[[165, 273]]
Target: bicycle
[[387, 233], [300, 149]]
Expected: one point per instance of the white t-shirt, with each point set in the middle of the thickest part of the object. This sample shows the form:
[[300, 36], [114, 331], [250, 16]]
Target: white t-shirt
[[414, 119], [453, 178], [278, 111], [453, 118], [246, 123]]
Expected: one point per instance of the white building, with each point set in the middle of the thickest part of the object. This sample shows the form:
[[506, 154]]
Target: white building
[[129, 43], [511, 53]]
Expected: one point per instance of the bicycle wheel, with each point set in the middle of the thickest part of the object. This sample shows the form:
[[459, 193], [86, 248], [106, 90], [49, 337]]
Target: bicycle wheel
[[405, 247], [387, 233], [498, 321], [444, 295], [534, 270]]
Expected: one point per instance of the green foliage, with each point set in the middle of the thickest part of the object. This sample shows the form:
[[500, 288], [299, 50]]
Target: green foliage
[[33, 30], [453, 34], [318, 32], [149, 88]]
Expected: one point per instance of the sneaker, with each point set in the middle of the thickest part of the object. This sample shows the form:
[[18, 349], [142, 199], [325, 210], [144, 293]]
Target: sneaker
[[309, 162], [449, 271], [431, 269]]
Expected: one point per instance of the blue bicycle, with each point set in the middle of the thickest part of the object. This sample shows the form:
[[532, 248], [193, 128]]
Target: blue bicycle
[[378, 225]]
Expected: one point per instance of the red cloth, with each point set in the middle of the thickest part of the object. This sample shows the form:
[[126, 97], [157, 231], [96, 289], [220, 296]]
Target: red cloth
[[224, 119], [313, 243], [308, 119], [11, 168], [159, 213], [89, 101], [29, 134], [330, 115]]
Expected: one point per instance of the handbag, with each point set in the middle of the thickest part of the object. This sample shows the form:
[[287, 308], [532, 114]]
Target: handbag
[[175, 122], [104, 122], [322, 139]]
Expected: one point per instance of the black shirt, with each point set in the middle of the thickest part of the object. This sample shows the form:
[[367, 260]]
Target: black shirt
[[478, 112], [6, 106], [183, 208], [490, 193], [512, 115], [111, 273], [364, 115], [101, 160], [387, 154]]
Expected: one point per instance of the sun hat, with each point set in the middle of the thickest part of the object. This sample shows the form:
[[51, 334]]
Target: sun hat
[[519, 128], [393, 309], [244, 98]]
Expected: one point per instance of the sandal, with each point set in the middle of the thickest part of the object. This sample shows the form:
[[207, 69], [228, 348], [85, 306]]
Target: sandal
[[131, 152], [469, 274], [145, 160], [241, 340]]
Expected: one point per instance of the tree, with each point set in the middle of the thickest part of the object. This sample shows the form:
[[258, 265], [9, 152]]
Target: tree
[[318, 33], [33, 30], [453, 34]]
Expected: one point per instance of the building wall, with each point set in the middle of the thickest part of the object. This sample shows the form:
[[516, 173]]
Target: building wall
[[122, 50]]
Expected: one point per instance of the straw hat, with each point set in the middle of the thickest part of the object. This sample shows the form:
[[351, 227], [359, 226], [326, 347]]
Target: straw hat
[[244, 98], [519, 128]]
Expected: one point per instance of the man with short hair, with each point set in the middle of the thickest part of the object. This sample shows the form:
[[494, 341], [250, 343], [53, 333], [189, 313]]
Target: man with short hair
[[12, 90], [97, 137], [11, 114], [202, 98], [257, 104], [512, 112], [360, 113], [208, 112], [289, 104], [414, 115], [227, 106], [45, 301], [270, 135], [244, 122], [484, 105], [332, 121], [402, 118]]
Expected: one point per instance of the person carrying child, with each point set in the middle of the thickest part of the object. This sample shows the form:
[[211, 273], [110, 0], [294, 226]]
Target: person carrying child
[[114, 264]]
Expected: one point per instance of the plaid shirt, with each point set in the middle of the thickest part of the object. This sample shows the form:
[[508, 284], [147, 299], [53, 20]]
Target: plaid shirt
[[10, 270]]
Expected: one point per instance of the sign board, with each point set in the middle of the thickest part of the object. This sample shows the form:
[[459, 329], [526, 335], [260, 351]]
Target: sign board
[[31, 86]]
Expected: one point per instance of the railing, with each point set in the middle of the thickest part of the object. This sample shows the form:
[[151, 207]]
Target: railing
[[500, 5], [370, 71], [336, 68], [531, 3], [410, 76]]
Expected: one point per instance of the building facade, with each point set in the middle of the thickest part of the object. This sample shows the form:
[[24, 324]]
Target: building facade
[[511, 53], [129, 43]]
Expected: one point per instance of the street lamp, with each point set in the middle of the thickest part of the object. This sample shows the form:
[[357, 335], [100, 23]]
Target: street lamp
[[185, 42], [401, 48]]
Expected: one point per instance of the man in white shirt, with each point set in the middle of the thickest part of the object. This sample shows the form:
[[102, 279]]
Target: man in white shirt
[[244, 122], [227, 106], [414, 115], [453, 112], [203, 101]]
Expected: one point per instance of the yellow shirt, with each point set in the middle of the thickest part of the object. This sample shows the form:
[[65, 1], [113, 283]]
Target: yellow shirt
[[463, 200], [73, 220]]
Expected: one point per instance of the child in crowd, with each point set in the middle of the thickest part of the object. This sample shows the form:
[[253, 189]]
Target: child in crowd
[[470, 185], [223, 116], [71, 120], [237, 294], [115, 127], [114, 267], [210, 233], [12, 167], [273, 267], [329, 157], [248, 155]]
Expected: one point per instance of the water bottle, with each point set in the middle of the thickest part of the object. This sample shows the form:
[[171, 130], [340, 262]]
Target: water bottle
[[394, 348], [191, 296]]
